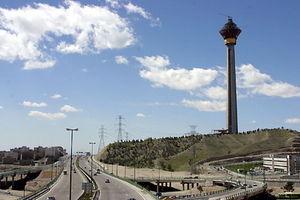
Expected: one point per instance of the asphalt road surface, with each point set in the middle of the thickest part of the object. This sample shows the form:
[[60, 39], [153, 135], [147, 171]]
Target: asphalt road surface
[[115, 189], [60, 189]]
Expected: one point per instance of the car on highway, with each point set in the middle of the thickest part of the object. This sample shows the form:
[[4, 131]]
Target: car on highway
[[131, 199], [107, 181], [51, 198]]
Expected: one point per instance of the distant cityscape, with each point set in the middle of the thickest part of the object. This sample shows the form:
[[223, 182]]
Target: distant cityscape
[[36, 156]]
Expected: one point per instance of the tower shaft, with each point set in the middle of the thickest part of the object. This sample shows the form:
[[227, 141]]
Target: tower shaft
[[232, 122]]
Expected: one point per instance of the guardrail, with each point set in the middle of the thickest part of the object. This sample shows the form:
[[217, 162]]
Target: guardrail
[[124, 179], [43, 190], [247, 193]]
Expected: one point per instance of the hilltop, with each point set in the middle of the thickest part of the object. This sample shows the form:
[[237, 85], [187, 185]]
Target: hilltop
[[183, 153]]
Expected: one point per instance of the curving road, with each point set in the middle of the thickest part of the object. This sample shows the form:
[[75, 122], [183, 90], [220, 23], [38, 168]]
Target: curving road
[[116, 189], [60, 189]]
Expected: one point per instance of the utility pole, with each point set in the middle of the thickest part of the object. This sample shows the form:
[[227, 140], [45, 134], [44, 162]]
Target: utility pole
[[70, 189], [92, 143], [101, 136], [126, 136]]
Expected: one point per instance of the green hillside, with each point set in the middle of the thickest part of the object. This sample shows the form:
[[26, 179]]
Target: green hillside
[[179, 153]]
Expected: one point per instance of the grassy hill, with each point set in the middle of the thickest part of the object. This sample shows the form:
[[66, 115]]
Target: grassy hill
[[179, 153]]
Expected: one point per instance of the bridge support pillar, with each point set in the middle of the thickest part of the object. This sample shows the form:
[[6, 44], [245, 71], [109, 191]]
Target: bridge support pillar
[[182, 186], [12, 181], [188, 186], [170, 184], [157, 186], [192, 185]]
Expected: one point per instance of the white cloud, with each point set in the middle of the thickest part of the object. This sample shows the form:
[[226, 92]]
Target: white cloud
[[256, 82], [279, 89], [249, 77], [113, 3], [1, 107], [33, 104], [68, 108], [208, 106], [141, 115], [154, 62], [84, 70], [162, 104], [50, 116], [292, 121], [90, 29], [33, 64], [216, 92], [121, 60], [131, 8], [56, 96], [181, 79], [253, 122]]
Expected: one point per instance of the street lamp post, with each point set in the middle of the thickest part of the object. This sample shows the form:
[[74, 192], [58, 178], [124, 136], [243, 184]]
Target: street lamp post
[[92, 143], [72, 130]]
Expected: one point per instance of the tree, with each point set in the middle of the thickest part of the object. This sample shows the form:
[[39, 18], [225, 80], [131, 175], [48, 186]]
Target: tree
[[289, 187], [200, 188]]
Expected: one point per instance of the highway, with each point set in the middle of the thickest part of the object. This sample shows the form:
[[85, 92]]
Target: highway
[[116, 189], [60, 189]]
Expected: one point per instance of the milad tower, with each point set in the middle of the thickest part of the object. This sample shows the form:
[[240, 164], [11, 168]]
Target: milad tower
[[230, 32]]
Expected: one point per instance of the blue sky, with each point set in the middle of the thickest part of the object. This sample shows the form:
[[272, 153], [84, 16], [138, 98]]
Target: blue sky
[[159, 64]]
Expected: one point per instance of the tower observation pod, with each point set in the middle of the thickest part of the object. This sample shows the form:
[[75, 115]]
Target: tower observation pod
[[230, 32]]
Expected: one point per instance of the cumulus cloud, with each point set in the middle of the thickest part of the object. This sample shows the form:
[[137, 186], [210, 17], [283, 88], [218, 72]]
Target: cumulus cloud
[[180, 79], [88, 28], [113, 3], [121, 60], [141, 115], [208, 106], [249, 77], [56, 96], [33, 104], [131, 8], [68, 108], [49, 116], [216, 92], [33, 64], [292, 121], [255, 82], [1, 107]]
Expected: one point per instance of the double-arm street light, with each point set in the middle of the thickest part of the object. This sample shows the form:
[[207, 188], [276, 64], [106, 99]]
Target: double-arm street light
[[72, 130], [92, 143]]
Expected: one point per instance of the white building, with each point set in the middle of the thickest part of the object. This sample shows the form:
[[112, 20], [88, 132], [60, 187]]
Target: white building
[[284, 163]]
